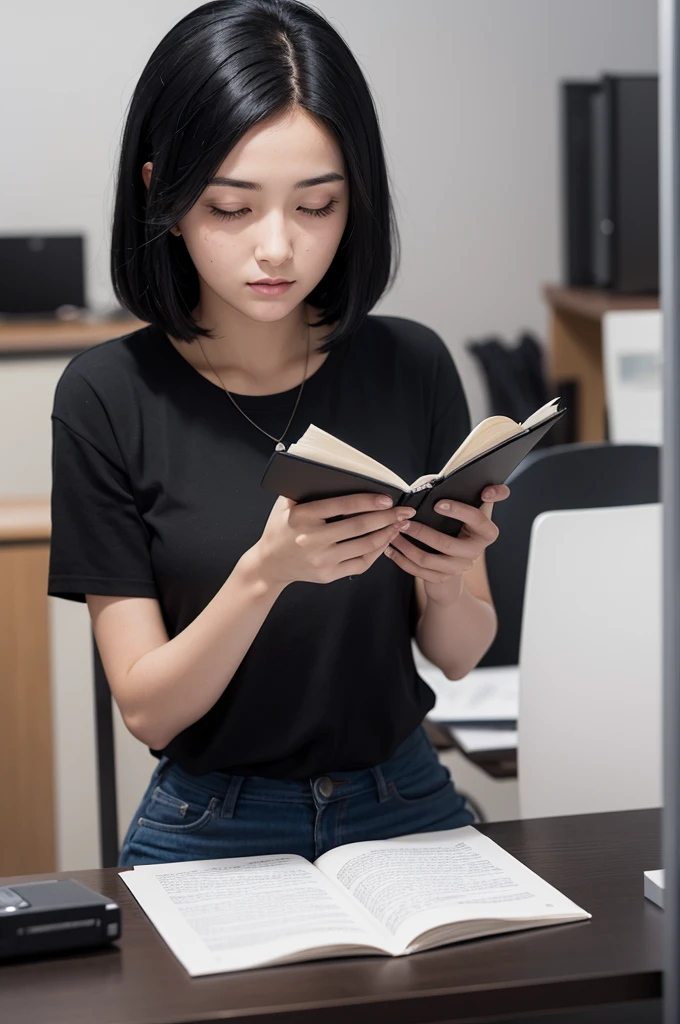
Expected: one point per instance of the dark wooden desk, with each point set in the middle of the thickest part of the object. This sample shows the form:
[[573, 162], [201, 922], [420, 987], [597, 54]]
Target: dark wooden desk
[[614, 958]]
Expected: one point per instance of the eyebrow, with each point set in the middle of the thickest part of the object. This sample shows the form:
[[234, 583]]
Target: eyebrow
[[307, 183]]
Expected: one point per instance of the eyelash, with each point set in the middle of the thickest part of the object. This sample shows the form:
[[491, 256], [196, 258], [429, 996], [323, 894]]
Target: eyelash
[[232, 214]]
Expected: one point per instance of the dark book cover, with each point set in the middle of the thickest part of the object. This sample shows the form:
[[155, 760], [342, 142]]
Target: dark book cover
[[305, 480]]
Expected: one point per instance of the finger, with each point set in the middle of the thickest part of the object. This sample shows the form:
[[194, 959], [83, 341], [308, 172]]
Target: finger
[[475, 520], [283, 502], [498, 492], [444, 564], [405, 563], [360, 563], [367, 522], [354, 566], [346, 504], [462, 546], [360, 546]]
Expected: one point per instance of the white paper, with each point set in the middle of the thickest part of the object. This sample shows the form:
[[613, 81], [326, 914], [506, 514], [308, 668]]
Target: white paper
[[474, 741], [654, 886], [483, 695], [418, 882], [240, 912]]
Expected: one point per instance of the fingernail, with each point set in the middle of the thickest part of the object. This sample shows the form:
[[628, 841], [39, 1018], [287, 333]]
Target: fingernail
[[443, 506], [383, 501], [388, 552], [404, 526], [488, 495]]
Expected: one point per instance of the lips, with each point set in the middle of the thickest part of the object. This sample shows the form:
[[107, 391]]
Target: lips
[[272, 281], [271, 290]]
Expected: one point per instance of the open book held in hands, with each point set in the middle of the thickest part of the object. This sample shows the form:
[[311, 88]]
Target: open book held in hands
[[320, 465], [389, 897]]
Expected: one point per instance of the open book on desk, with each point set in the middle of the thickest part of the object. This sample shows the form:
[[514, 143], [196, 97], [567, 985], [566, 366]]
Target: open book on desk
[[320, 465], [389, 897]]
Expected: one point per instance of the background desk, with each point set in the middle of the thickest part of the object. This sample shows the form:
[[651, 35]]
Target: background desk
[[575, 348], [614, 958], [21, 340]]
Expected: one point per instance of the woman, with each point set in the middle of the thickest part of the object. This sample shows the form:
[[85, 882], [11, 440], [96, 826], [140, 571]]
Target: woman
[[262, 652]]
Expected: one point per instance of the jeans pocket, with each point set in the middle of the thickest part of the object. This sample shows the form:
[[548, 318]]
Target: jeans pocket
[[167, 812], [427, 780]]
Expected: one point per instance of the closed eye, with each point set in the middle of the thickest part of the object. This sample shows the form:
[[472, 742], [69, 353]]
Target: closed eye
[[322, 212]]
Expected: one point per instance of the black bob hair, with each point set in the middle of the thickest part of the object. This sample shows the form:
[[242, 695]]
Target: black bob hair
[[226, 66]]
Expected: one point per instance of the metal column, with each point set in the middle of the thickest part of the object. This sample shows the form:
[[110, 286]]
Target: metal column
[[669, 226]]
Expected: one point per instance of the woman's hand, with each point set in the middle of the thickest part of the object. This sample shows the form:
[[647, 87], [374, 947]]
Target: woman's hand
[[298, 543], [443, 573]]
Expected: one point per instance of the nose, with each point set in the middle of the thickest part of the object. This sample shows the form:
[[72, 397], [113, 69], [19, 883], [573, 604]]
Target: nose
[[274, 243]]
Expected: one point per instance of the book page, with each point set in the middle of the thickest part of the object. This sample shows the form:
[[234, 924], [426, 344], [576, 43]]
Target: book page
[[492, 431], [484, 695], [416, 883], [487, 434], [240, 912], [541, 414], [320, 446], [477, 741]]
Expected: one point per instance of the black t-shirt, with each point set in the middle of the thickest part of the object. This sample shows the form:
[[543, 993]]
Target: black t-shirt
[[156, 493]]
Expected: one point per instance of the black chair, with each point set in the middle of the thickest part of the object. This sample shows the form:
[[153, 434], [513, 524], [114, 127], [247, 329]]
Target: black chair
[[568, 476], [106, 764]]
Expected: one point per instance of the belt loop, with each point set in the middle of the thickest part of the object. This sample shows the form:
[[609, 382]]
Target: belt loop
[[383, 793], [229, 802]]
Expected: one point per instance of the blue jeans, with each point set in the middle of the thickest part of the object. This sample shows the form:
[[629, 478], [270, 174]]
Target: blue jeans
[[199, 817]]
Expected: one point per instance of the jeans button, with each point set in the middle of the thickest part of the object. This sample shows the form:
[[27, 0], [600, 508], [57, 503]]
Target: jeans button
[[325, 786]]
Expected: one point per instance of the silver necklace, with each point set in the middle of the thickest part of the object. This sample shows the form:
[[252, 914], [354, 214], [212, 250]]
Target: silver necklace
[[280, 447]]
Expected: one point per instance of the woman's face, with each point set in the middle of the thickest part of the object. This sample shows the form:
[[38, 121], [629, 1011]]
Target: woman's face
[[277, 229]]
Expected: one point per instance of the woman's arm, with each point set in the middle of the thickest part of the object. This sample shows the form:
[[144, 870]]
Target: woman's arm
[[161, 686], [456, 637], [154, 680]]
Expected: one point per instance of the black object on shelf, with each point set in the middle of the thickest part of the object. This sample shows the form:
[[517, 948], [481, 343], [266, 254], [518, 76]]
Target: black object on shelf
[[610, 192], [566, 431], [515, 379]]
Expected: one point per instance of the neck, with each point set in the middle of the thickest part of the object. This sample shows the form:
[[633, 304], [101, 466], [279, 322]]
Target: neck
[[251, 348]]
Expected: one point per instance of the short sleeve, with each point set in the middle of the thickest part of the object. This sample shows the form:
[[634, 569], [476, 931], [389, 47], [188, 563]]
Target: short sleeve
[[450, 415], [99, 542]]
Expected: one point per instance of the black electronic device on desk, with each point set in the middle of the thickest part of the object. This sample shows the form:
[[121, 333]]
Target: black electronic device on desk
[[53, 916], [42, 277]]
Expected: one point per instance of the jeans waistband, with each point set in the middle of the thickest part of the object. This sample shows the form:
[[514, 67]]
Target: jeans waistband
[[227, 787]]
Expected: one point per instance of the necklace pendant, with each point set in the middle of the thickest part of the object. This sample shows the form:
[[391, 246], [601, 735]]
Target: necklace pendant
[[280, 447]]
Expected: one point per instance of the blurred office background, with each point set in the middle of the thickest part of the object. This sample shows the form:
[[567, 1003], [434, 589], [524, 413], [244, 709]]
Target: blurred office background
[[468, 93]]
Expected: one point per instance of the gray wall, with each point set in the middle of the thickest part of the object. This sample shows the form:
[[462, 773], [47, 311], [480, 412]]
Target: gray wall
[[467, 95]]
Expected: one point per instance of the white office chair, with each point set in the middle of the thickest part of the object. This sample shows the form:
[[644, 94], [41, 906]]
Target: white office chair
[[590, 688], [632, 356]]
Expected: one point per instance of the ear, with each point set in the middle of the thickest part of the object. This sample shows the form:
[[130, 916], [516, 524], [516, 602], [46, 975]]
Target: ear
[[146, 175]]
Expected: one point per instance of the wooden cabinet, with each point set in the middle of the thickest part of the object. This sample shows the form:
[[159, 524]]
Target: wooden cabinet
[[27, 836]]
